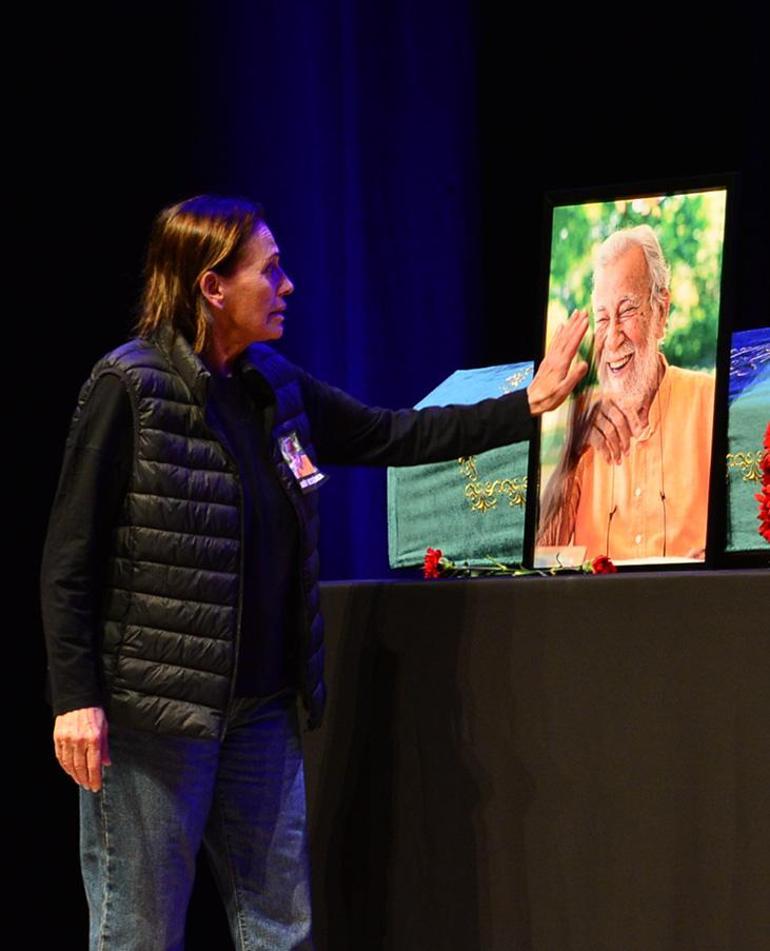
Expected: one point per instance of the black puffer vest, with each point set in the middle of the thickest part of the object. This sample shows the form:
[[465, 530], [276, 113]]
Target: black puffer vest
[[173, 586]]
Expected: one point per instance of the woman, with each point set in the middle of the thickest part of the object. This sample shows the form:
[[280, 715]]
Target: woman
[[180, 580]]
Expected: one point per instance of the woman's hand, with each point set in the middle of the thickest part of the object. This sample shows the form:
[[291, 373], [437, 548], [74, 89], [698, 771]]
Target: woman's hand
[[554, 380], [80, 739]]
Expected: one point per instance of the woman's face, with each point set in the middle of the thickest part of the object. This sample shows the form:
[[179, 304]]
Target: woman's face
[[249, 305]]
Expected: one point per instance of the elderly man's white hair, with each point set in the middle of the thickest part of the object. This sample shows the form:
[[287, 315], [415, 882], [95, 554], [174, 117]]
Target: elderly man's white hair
[[644, 237]]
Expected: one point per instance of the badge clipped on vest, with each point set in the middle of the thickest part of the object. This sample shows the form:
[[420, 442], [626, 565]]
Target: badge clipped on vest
[[307, 475]]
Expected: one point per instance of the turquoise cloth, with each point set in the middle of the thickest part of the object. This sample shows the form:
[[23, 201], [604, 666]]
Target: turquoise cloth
[[472, 510]]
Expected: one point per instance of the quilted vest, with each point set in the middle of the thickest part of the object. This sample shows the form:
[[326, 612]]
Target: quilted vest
[[173, 583]]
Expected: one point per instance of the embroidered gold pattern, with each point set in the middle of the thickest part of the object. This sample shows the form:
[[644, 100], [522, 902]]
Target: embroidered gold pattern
[[748, 462], [482, 496], [468, 466]]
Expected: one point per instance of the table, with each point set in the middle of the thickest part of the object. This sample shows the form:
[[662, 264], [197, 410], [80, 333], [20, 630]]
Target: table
[[556, 764]]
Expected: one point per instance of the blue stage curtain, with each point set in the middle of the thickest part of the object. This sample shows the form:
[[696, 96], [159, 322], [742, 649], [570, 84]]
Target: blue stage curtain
[[354, 124]]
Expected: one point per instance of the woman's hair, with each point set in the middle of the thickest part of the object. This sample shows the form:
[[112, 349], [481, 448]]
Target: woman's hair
[[205, 233]]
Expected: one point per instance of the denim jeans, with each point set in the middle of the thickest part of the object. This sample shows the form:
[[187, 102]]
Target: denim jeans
[[243, 798]]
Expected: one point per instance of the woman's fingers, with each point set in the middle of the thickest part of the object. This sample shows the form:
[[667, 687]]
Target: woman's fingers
[[80, 741]]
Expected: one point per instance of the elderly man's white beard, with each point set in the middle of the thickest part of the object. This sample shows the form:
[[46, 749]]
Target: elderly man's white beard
[[637, 388]]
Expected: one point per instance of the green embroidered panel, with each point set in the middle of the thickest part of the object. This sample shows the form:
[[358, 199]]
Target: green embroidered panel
[[748, 419], [471, 508]]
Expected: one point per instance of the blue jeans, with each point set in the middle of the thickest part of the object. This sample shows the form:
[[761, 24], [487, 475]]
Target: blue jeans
[[243, 798]]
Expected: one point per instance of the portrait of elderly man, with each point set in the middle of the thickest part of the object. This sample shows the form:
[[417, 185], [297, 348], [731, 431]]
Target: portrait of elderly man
[[632, 480]]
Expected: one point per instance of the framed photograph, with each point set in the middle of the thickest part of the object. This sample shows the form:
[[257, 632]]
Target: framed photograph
[[623, 469]]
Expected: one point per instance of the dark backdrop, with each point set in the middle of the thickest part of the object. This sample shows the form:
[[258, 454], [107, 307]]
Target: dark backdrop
[[402, 150]]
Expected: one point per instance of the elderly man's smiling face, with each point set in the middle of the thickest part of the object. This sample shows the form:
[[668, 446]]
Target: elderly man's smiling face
[[627, 329]]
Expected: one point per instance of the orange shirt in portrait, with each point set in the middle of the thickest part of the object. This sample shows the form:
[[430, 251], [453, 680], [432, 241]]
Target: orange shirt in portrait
[[621, 511]]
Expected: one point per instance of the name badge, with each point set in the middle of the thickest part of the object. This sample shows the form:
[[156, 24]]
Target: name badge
[[307, 475]]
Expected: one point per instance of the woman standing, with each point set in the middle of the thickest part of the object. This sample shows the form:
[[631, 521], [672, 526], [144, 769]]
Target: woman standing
[[180, 580]]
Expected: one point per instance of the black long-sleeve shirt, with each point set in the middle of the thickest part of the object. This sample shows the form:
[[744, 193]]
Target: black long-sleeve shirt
[[94, 479]]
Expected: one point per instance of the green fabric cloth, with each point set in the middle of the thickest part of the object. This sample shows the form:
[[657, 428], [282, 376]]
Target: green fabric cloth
[[472, 510], [749, 416]]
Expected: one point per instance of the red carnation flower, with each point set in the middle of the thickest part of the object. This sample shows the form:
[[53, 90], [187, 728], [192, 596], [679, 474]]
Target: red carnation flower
[[764, 496], [432, 564], [602, 565]]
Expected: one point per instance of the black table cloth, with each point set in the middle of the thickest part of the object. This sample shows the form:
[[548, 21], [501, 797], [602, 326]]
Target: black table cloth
[[560, 764]]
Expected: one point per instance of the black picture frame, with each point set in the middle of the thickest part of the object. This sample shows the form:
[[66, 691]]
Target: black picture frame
[[641, 192]]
